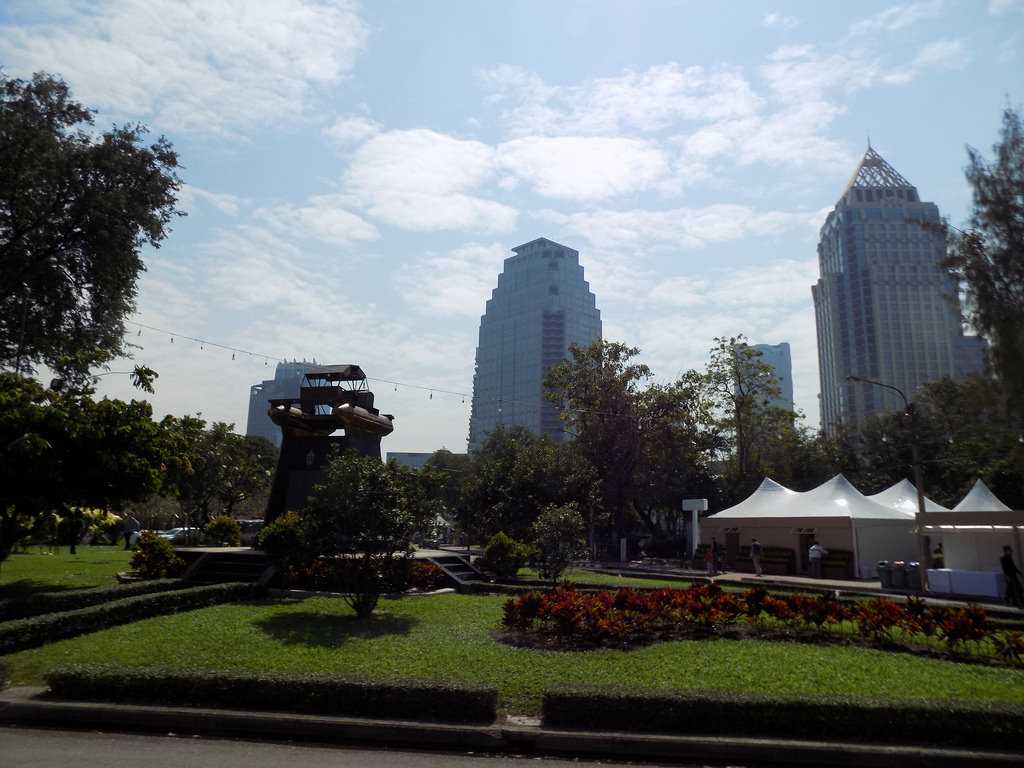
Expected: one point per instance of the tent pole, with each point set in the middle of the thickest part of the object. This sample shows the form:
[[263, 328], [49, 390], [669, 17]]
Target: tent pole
[[856, 548]]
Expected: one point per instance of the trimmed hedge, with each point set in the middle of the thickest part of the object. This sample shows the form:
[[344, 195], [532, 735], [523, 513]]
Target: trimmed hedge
[[52, 602], [454, 702], [952, 723], [28, 633]]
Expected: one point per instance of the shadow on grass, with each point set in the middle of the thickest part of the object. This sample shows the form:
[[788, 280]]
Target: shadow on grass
[[26, 588], [322, 630]]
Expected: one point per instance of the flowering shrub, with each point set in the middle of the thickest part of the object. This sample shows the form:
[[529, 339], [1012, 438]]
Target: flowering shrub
[[630, 616], [426, 576]]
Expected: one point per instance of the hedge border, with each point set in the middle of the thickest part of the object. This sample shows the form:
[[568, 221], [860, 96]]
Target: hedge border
[[722, 713], [52, 602], [435, 701], [28, 633]]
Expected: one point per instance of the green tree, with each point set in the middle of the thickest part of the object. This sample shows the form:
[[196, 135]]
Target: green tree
[[558, 539], [64, 453], [988, 258], [76, 208], [367, 512], [514, 476], [214, 469]]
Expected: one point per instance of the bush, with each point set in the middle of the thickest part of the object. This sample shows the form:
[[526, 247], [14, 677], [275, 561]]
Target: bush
[[224, 531], [504, 556], [53, 602], [28, 633], [426, 577], [5, 673], [155, 559], [320, 694], [282, 539], [826, 718], [342, 574], [558, 539]]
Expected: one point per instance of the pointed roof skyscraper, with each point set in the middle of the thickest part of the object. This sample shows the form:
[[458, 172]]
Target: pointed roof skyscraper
[[873, 172]]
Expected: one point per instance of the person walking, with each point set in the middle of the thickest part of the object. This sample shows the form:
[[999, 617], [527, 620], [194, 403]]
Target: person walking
[[711, 558], [815, 554], [1012, 575], [755, 555], [129, 527]]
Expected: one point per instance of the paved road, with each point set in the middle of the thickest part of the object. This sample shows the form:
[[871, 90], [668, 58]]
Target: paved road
[[24, 748]]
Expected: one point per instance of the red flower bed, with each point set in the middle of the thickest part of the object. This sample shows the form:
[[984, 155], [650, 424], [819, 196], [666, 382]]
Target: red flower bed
[[628, 616]]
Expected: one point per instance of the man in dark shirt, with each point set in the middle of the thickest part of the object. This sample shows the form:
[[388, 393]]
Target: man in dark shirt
[[1012, 575]]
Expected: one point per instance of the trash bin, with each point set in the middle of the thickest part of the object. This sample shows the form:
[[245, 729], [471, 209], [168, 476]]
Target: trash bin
[[899, 575], [885, 573], [913, 576]]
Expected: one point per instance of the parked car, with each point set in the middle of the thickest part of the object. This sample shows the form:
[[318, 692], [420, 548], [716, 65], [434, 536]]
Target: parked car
[[181, 535]]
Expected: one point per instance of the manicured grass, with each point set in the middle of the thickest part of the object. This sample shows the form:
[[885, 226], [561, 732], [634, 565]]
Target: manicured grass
[[449, 637], [582, 575], [39, 571]]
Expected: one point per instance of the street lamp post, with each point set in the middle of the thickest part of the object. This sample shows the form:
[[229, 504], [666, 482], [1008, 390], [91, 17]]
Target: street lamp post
[[915, 457]]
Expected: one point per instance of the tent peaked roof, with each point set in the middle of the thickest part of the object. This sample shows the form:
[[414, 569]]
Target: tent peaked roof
[[835, 498], [903, 497], [980, 499]]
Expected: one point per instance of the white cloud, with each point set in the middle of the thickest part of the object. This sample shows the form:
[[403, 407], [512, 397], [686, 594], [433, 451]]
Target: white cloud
[[189, 195], [898, 17], [346, 130], [583, 168], [321, 217], [999, 7], [779, 21], [214, 67], [421, 180], [457, 283], [645, 230], [646, 101]]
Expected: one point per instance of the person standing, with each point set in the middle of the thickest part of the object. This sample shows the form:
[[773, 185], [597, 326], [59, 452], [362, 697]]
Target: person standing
[[129, 527], [755, 555], [938, 557], [1012, 575], [815, 555], [711, 558]]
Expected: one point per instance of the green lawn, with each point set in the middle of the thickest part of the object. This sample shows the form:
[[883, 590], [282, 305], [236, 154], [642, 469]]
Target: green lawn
[[591, 577], [39, 571], [448, 637]]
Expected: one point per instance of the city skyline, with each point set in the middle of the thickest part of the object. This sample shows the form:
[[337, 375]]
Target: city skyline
[[355, 173]]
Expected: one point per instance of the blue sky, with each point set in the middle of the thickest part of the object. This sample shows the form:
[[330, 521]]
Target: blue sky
[[356, 173]]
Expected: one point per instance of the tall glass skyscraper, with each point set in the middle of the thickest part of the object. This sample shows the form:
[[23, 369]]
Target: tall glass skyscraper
[[779, 358], [884, 307], [542, 305]]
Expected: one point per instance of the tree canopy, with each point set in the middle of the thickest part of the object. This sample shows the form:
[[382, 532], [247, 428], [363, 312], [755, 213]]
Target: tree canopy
[[76, 209]]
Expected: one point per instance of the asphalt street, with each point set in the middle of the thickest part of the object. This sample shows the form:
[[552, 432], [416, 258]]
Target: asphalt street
[[30, 748]]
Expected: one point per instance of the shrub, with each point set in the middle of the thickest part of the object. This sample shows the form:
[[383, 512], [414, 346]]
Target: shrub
[[5, 673], [504, 556], [342, 574], [225, 531], [28, 633], [558, 539], [320, 694], [822, 718], [1009, 647], [282, 539], [155, 559], [426, 577], [52, 602]]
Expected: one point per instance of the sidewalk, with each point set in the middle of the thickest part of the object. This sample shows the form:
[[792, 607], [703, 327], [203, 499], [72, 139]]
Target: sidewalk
[[26, 707]]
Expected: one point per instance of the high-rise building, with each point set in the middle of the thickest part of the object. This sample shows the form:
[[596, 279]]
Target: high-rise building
[[884, 307], [286, 381], [779, 358], [541, 306]]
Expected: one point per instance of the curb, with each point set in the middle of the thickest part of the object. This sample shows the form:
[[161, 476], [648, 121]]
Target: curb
[[21, 706]]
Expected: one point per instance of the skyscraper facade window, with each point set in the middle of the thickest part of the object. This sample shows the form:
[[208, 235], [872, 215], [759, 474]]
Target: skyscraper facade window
[[286, 382], [779, 358], [541, 306], [884, 307]]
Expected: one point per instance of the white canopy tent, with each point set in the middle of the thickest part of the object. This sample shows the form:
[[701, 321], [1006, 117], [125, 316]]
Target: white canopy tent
[[903, 497], [835, 513], [970, 545]]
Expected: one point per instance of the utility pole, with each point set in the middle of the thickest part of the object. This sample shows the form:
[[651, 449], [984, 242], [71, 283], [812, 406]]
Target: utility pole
[[915, 457]]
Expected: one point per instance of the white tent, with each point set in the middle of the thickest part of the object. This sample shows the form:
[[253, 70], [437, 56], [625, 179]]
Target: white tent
[[969, 547], [835, 513], [903, 497]]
